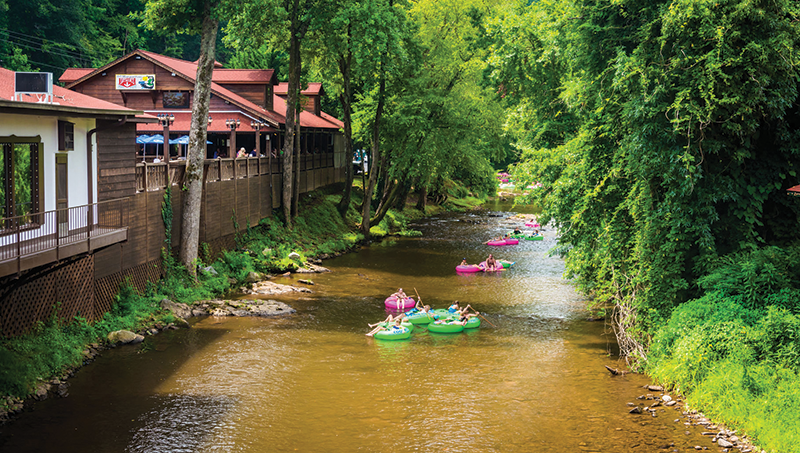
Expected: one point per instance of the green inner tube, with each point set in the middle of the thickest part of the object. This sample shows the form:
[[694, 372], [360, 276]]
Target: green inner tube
[[445, 328], [393, 334], [405, 324], [534, 238], [505, 263], [473, 323], [419, 318]]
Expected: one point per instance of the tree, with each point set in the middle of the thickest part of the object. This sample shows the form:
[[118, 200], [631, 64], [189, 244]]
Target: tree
[[192, 16], [252, 26], [662, 137]]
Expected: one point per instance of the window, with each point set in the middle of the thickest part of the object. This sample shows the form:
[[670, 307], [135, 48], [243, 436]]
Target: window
[[20, 172], [179, 100], [66, 136]]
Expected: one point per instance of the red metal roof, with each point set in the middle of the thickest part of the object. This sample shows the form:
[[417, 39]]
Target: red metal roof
[[314, 89], [183, 123], [794, 190], [188, 71], [236, 76], [307, 119], [61, 96], [73, 74]]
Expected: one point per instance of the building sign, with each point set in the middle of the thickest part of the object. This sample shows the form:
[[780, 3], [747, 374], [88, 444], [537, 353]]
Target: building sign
[[136, 81]]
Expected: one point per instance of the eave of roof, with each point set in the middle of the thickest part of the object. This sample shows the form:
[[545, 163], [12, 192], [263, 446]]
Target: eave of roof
[[32, 108]]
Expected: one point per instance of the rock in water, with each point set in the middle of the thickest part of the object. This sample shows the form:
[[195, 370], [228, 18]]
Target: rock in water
[[253, 277], [122, 336], [636, 410], [724, 443], [178, 309], [655, 388]]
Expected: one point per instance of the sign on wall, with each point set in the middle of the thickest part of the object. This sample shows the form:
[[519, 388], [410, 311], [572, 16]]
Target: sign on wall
[[136, 81]]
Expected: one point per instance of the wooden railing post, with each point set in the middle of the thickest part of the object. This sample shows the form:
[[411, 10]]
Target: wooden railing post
[[144, 177]]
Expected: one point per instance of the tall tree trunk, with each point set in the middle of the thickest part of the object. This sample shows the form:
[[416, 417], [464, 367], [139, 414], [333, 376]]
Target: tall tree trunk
[[376, 150], [423, 197], [389, 193], [345, 99], [190, 222], [291, 101], [402, 196], [297, 150]]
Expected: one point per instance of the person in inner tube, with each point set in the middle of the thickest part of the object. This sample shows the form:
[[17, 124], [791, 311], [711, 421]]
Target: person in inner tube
[[491, 263], [454, 308], [400, 295], [517, 231], [463, 316], [464, 262]]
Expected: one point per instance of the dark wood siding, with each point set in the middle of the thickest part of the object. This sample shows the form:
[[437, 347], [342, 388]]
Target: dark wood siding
[[255, 93], [116, 160]]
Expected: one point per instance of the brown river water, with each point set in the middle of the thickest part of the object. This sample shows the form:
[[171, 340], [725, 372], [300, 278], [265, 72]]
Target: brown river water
[[312, 382]]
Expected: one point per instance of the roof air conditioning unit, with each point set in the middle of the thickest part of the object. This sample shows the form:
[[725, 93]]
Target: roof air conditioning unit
[[37, 84]]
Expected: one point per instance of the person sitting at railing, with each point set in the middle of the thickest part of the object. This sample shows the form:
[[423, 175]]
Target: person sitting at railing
[[242, 153]]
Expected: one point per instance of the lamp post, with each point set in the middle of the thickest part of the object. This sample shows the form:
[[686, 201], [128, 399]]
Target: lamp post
[[257, 125], [165, 120], [233, 125]]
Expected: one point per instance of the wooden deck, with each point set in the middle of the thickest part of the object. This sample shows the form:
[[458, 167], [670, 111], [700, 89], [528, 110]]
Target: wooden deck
[[36, 240]]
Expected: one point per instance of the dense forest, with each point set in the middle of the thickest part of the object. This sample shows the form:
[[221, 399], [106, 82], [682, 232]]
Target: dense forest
[[665, 135], [662, 135]]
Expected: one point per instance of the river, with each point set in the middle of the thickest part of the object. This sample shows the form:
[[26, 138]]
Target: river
[[313, 382]]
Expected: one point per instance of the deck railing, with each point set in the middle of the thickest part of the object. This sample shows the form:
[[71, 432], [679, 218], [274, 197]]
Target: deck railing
[[153, 176], [31, 234]]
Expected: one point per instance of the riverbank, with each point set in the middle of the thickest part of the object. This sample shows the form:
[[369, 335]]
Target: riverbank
[[53, 351]]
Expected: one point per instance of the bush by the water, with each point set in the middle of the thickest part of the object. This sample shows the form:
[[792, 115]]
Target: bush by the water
[[736, 351]]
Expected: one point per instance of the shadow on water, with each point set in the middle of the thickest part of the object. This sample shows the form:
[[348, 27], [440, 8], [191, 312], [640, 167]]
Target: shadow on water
[[115, 397]]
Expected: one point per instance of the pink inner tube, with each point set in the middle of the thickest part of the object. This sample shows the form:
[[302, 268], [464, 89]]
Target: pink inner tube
[[497, 243], [532, 225], [469, 268], [485, 268], [394, 304], [512, 241]]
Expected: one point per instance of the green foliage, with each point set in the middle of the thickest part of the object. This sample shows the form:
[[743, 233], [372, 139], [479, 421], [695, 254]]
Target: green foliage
[[735, 352]]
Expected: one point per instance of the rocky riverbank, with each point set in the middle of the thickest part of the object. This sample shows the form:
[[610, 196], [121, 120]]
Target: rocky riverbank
[[714, 435]]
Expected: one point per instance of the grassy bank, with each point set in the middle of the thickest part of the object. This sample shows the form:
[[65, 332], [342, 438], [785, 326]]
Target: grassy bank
[[55, 347], [735, 352]]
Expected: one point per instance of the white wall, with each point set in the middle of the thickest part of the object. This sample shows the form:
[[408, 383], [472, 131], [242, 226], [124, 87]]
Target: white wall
[[47, 128]]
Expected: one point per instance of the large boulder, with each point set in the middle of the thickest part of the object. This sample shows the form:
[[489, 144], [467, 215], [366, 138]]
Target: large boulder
[[253, 277], [122, 336], [178, 309]]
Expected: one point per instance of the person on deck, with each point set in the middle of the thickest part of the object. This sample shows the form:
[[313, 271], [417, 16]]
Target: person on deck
[[242, 153], [491, 263]]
